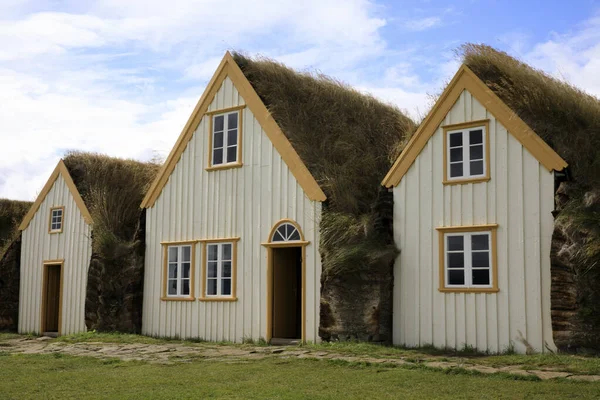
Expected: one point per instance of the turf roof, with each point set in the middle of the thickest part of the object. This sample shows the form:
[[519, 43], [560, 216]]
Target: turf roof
[[346, 138], [11, 214]]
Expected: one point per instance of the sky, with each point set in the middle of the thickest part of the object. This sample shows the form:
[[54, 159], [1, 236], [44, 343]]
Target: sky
[[122, 77]]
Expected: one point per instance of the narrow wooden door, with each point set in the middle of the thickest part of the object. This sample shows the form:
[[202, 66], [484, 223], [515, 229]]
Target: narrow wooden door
[[287, 273], [52, 299]]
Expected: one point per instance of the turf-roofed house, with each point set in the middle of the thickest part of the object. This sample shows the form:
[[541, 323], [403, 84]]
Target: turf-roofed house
[[270, 196], [81, 264], [483, 262]]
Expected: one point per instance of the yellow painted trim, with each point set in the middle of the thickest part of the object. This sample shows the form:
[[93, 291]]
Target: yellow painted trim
[[191, 296], [229, 68], [62, 221], [61, 169], [465, 79], [234, 261], [297, 243], [226, 110], [224, 166], [45, 265], [466, 125], [493, 228]]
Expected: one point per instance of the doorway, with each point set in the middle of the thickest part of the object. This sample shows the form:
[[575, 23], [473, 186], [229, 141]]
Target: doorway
[[287, 293], [51, 299]]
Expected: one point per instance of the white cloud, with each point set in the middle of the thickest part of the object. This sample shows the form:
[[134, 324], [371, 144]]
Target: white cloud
[[422, 24]]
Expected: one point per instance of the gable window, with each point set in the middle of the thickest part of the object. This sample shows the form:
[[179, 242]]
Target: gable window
[[468, 259], [466, 148], [225, 149], [219, 269], [179, 271], [56, 219]]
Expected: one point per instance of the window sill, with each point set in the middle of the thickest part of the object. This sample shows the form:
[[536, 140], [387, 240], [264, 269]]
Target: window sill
[[224, 166], [177, 298], [230, 299], [55, 232], [469, 290], [466, 180]]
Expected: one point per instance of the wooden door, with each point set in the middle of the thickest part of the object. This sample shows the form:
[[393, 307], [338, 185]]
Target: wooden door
[[287, 289], [51, 299]]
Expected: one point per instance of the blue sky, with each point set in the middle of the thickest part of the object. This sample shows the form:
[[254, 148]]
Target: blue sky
[[121, 77]]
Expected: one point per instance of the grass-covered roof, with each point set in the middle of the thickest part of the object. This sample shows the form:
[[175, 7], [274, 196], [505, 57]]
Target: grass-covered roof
[[348, 141], [11, 214]]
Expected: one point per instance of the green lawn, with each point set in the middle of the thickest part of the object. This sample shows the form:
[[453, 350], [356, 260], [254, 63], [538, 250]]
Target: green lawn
[[64, 377]]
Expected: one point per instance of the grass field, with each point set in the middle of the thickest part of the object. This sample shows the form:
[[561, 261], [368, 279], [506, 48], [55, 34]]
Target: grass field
[[65, 377]]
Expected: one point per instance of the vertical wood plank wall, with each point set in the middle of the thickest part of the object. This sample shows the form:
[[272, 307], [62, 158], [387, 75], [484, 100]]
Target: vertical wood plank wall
[[519, 198], [74, 245], [241, 202]]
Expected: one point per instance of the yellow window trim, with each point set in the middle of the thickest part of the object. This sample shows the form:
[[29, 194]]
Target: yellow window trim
[[62, 220], [234, 259], [465, 79], [165, 248], [229, 68], [238, 163], [466, 125], [60, 170], [442, 257]]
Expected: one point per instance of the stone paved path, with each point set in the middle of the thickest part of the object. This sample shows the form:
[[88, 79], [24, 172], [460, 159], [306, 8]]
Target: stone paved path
[[170, 353]]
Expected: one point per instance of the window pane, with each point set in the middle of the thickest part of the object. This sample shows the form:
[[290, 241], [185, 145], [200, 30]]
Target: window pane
[[211, 287], [456, 139], [219, 123], [476, 152], [172, 286], [456, 243], [226, 287], [226, 251], [213, 252], [172, 254], [456, 277], [173, 271], [477, 167], [232, 137], [185, 270], [187, 251], [481, 259], [232, 120], [481, 277], [226, 273], [185, 289], [456, 260], [295, 235], [282, 232], [456, 154], [217, 156], [277, 237], [218, 140], [456, 170], [212, 269], [480, 242], [231, 154], [476, 136]]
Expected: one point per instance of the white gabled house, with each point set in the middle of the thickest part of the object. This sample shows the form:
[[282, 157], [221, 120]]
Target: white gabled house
[[473, 201], [55, 255], [232, 226]]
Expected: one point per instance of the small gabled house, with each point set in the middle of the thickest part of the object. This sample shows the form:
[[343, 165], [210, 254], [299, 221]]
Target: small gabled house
[[474, 197], [235, 220], [79, 248]]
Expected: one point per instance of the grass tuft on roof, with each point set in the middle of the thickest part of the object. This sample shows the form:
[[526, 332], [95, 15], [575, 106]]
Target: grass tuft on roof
[[11, 214], [568, 119], [347, 140], [112, 190]]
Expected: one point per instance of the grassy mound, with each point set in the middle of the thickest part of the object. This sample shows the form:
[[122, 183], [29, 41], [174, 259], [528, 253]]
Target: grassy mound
[[11, 214], [348, 141], [568, 120], [113, 189]]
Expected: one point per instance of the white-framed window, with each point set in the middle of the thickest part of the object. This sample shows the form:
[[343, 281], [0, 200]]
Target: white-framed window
[[286, 232], [468, 259], [56, 219], [466, 152], [179, 270], [219, 269], [225, 138]]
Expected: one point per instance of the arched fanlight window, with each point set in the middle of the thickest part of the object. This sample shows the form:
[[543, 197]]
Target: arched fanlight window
[[286, 232]]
